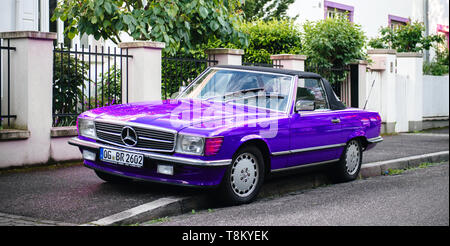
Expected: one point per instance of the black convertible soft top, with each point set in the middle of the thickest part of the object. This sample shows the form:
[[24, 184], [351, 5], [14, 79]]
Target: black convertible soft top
[[335, 103], [300, 74]]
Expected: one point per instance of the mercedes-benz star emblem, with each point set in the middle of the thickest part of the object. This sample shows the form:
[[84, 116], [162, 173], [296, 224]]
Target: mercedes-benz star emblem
[[129, 136]]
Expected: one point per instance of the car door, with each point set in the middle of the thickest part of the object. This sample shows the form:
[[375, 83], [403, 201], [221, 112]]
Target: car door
[[315, 136]]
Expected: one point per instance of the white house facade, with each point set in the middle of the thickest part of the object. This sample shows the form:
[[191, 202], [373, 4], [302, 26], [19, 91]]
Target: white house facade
[[372, 15]]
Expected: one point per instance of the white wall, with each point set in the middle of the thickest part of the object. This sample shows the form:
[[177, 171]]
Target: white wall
[[435, 96], [437, 14], [23, 15], [7, 15]]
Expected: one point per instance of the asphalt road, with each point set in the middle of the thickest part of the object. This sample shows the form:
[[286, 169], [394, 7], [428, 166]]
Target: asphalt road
[[75, 195], [414, 198]]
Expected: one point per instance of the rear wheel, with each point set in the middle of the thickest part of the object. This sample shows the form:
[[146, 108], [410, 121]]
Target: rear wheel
[[244, 177], [111, 178], [349, 165]]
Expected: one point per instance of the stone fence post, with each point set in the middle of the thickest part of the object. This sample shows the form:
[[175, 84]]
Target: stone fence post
[[289, 61], [144, 71], [409, 65], [385, 62], [225, 56], [31, 70]]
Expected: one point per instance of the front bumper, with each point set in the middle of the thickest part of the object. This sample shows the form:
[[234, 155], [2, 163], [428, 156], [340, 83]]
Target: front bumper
[[156, 156], [187, 171]]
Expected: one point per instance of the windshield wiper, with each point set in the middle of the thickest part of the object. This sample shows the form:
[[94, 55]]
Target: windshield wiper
[[237, 92]]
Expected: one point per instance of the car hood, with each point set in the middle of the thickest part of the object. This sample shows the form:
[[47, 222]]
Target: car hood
[[178, 114]]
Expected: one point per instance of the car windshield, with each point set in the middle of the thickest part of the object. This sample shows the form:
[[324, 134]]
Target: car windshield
[[251, 88]]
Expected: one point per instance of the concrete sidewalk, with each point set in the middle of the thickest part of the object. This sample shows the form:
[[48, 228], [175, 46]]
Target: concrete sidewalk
[[75, 195]]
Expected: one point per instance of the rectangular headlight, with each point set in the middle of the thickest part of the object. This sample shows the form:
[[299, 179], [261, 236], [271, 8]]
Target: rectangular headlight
[[192, 145], [86, 128]]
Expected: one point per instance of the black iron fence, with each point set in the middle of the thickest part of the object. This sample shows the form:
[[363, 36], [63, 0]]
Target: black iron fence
[[87, 78], [5, 82], [177, 72]]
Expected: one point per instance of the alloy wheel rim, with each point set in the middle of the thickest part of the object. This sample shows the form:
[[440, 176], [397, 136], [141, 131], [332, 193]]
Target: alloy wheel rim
[[352, 158], [244, 174]]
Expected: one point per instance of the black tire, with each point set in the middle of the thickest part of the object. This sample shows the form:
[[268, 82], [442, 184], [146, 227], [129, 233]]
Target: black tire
[[231, 185], [112, 178], [349, 165]]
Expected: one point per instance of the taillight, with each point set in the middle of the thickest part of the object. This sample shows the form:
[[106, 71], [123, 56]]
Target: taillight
[[212, 145]]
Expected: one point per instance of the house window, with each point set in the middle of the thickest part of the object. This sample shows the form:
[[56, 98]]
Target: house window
[[396, 21], [333, 9]]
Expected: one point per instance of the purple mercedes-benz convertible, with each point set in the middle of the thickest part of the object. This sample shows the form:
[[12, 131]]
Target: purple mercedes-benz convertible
[[228, 129]]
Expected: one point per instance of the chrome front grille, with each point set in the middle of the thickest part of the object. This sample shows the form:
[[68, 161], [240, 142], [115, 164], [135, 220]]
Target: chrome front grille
[[148, 139]]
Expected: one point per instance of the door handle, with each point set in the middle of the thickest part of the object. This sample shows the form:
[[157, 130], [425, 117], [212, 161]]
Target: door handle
[[336, 121]]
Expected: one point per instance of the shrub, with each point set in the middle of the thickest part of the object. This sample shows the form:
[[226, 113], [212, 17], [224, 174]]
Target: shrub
[[265, 38], [269, 38], [440, 64], [406, 38], [333, 43]]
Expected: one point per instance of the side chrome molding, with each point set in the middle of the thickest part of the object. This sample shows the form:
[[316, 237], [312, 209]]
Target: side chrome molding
[[331, 146], [308, 149], [304, 165]]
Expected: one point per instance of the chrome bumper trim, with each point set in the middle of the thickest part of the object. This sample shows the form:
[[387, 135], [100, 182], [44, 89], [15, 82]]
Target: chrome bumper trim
[[375, 140], [182, 160]]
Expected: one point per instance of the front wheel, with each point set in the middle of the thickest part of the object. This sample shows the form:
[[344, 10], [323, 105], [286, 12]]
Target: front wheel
[[349, 165], [244, 177]]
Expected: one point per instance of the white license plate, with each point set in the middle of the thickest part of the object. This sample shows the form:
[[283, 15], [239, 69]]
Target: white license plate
[[121, 157]]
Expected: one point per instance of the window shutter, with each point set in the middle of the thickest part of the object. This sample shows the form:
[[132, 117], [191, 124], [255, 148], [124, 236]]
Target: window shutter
[[26, 15]]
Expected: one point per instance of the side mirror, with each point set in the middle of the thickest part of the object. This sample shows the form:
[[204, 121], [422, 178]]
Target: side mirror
[[304, 105]]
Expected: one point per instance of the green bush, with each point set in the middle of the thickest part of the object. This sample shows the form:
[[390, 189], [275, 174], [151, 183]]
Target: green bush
[[265, 38], [333, 43], [271, 37], [440, 64], [405, 38]]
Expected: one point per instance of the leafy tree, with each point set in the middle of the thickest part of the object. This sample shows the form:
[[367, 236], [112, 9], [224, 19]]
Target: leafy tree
[[265, 9], [405, 38], [178, 23]]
